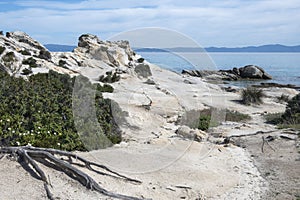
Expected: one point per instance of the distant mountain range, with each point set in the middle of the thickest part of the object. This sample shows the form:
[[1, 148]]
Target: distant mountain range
[[264, 48]]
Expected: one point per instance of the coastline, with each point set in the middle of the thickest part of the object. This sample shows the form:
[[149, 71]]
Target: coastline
[[169, 165]]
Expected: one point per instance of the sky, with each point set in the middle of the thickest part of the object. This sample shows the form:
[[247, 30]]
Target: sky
[[230, 23]]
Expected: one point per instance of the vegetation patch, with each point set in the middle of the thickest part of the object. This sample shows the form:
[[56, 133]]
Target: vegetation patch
[[283, 98], [236, 116], [105, 88], [211, 117], [26, 71], [290, 118], [31, 62], [44, 54], [140, 60], [273, 118], [204, 120], [9, 57], [252, 95], [110, 77], [62, 63], [39, 112], [2, 49]]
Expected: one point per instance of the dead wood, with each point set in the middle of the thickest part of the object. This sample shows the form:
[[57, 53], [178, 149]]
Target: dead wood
[[251, 134], [57, 160]]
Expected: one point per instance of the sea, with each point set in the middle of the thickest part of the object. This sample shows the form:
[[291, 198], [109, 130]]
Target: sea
[[284, 67]]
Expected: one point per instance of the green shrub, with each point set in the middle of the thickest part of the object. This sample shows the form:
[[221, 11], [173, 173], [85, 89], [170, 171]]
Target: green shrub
[[204, 122], [2, 49], [283, 98], [44, 54], [205, 119], [292, 112], [109, 78], [274, 118], [62, 63], [9, 57], [140, 60], [105, 88], [26, 71], [290, 118], [39, 112], [31, 62], [252, 95]]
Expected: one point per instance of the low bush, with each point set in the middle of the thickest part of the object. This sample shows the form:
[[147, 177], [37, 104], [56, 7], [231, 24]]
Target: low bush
[[290, 118], [283, 98], [31, 62], [105, 88], [44, 54], [204, 122], [252, 95], [62, 63], [211, 117], [292, 112], [274, 118], [26, 71], [2, 49], [39, 112], [110, 77], [9, 57], [140, 60]]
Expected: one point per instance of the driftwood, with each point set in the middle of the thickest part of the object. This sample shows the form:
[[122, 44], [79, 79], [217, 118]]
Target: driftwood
[[57, 160], [251, 134]]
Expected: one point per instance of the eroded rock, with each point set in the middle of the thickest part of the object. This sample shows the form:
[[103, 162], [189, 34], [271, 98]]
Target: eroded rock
[[246, 72], [192, 134], [143, 70]]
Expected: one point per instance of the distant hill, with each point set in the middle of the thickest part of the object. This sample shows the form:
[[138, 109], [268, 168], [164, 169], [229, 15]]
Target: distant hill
[[59, 47], [264, 48]]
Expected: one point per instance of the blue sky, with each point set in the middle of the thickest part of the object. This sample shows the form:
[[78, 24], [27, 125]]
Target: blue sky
[[209, 22]]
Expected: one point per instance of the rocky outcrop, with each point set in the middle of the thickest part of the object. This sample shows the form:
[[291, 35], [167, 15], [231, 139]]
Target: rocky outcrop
[[246, 72], [21, 55], [253, 72], [143, 70], [112, 53]]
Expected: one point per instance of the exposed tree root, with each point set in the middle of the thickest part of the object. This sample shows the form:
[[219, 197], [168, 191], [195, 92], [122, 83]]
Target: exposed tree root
[[251, 134], [57, 160]]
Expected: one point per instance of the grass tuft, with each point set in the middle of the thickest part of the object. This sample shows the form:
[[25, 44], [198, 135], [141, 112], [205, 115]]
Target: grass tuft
[[252, 95]]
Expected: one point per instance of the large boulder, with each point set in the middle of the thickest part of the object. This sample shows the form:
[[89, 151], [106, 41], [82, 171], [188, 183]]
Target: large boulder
[[253, 72], [143, 70]]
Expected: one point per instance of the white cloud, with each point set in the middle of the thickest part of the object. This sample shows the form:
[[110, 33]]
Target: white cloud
[[219, 23]]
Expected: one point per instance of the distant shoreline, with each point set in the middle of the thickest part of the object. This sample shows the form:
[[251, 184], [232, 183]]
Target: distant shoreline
[[251, 49], [276, 48]]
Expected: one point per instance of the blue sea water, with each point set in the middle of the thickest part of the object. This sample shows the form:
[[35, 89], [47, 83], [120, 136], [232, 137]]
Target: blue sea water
[[284, 67]]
